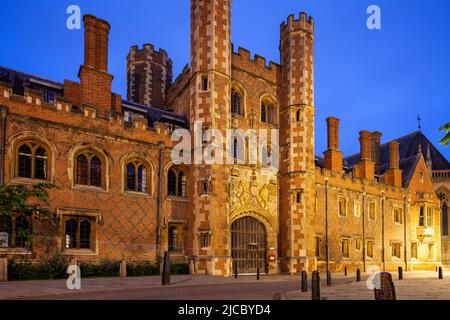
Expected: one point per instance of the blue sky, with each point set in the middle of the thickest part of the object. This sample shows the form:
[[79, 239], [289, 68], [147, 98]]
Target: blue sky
[[372, 80]]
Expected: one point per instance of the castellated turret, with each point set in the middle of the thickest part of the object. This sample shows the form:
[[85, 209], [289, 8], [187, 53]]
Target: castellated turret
[[149, 76], [296, 95]]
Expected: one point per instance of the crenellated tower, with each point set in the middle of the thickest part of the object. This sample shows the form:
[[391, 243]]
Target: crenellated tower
[[297, 159], [149, 76], [210, 104]]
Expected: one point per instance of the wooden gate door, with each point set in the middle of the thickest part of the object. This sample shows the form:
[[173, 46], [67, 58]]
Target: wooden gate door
[[248, 245]]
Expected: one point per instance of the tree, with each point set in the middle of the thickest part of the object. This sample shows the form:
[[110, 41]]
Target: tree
[[446, 129], [20, 200]]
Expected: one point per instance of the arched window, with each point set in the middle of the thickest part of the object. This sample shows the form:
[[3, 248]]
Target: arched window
[[136, 177], [235, 102], [32, 161], [89, 169], [176, 183], [267, 112], [173, 239]]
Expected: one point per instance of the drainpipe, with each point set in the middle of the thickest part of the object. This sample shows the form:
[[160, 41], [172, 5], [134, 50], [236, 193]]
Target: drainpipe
[[3, 110], [404, 235], [327, 248], [383, 251], [364, 231], [158, 198]]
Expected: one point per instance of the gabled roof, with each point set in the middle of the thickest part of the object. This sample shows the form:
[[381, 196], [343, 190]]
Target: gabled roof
[[409, 149]]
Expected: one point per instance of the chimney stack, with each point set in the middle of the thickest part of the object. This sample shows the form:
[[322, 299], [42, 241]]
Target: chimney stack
[[376, 151], [393, 175], [333, 157], [394, 158], [94, 78], [365, 169], [365, 140]]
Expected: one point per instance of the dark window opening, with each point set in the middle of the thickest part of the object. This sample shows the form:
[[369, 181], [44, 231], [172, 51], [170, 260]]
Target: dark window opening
[[96, 172], [235, 102], [25, 159], [78, 233], [82, 170], [172, 184], [205, 83], [445, 219], [422, 216], [173, 239]]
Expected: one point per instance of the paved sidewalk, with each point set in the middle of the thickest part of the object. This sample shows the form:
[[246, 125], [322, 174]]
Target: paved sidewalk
[[42, 288], [414, 286]]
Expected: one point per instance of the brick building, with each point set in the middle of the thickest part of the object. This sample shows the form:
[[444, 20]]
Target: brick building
[[122, 197]]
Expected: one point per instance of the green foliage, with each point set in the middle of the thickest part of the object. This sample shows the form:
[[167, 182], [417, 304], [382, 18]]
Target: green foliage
[[106, 268], [21, 200], [179, 268], [56, 268], [446, 139], [142, 269]]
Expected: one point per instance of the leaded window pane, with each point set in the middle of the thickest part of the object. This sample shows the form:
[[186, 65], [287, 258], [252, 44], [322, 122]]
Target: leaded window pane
[[25, 158], [96, 172]]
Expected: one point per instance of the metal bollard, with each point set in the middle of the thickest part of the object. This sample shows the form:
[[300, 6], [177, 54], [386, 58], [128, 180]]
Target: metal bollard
[[358, 275], [258, 272], [328, 278], [441, 274], [400, 273], [166, 270], [315, 286], [304, 281], [345, 272]]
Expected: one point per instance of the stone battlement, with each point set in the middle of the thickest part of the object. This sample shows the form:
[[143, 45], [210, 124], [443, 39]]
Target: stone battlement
[[148, 51], [33, 105], [303, 23], [257, 65]]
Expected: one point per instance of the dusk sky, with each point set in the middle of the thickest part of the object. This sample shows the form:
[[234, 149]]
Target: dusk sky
[[372, 80]]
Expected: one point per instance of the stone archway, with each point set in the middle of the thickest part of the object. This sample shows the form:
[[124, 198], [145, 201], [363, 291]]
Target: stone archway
[[249, 245]]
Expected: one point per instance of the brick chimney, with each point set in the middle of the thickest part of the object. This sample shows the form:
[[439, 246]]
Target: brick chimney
[[393, 175], [95, 81], [365, 169], [333, 157], [376, 151]]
